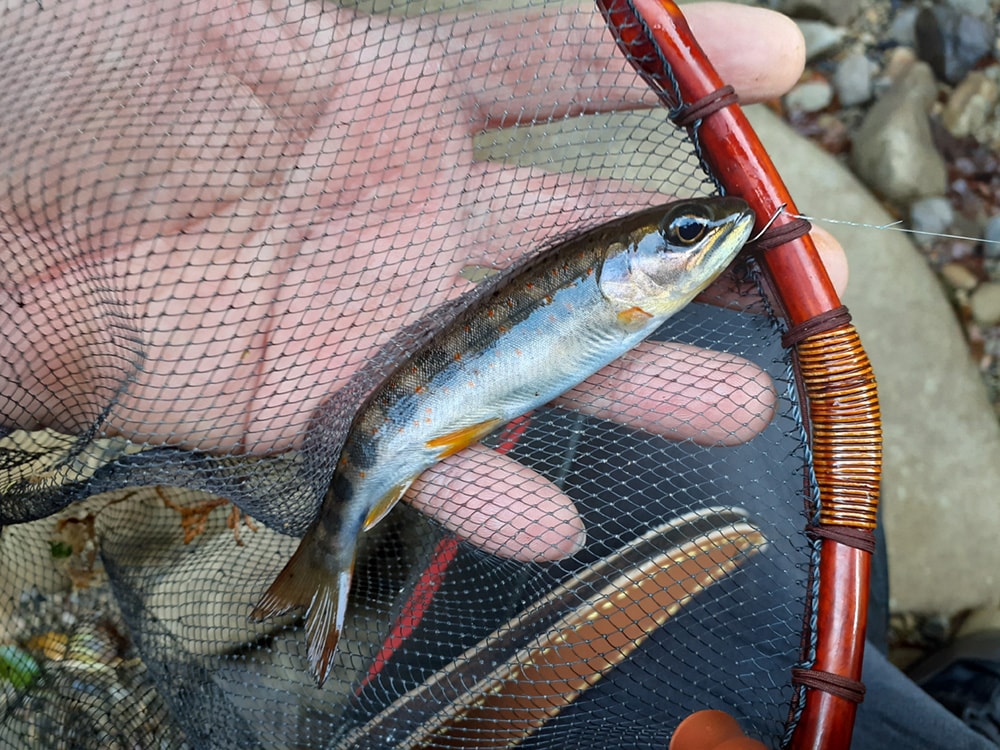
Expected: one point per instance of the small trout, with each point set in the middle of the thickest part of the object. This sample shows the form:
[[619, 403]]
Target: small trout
[[546, 326]]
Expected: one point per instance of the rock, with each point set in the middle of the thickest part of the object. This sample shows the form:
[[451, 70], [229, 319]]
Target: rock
[[991, 237], [978, 8], [894, 152], [898, 64], [902, 29], [942, 439], [821, 38], [959, 277], [969, 105], [932, 215], [853, 79], [810, 96], [952, 42], [985, 304], [840, 12]]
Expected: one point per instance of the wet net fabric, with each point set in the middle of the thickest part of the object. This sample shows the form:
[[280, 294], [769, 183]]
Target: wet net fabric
[[215, 221]]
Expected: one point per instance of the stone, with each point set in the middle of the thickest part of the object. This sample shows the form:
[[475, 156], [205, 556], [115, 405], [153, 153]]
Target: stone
[[933, 215], [942, 438], [959, 277], [902, 28], [952, 42], [821, 38], [840, 12], [809, 96], [853, 79], [985, 304], [978, 8], [991, 237], [969, 105], [894, 151]]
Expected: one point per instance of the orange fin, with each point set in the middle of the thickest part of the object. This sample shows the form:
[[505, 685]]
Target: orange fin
[[388, 501], [463, 437], [634, 317], [306, 581]]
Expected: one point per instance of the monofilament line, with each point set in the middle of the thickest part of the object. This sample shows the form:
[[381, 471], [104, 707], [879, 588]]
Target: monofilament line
[[892, 226]]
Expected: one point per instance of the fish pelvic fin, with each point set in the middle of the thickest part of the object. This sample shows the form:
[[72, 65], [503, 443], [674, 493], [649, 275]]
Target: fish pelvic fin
[[452, 442], [309, 581]]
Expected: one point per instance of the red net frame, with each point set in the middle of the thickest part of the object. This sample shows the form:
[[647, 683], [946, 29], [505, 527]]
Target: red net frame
[[838, 385]]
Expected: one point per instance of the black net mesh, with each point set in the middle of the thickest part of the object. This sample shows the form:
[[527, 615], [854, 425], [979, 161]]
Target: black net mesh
[[214, 218]]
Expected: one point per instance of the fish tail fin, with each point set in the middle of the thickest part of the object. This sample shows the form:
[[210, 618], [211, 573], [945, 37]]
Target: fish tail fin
[[309, 580]]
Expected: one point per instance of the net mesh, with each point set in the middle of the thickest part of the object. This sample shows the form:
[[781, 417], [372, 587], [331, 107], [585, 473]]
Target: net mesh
[[214, 218]]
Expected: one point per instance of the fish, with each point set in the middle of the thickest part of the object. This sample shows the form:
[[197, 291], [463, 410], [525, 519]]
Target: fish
[[535, 332]]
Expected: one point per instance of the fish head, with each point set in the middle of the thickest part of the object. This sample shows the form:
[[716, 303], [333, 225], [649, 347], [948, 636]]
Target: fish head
[[674, 253]]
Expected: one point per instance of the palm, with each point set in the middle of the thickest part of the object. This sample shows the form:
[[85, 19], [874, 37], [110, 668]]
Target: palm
[[261, 199]]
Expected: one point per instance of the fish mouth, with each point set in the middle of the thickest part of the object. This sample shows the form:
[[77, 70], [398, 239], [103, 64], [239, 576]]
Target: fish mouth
[[728, 233]]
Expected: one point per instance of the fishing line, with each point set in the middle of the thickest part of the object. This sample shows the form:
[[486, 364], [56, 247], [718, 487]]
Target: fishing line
[[892, 226]]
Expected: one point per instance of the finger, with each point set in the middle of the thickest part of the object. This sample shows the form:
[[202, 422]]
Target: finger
[[759, 52], [574, 66], [681, 392], [500, 506], [833, 257]]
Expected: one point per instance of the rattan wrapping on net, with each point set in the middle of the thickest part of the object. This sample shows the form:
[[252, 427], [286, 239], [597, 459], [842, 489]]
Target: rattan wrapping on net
[[452, 647]]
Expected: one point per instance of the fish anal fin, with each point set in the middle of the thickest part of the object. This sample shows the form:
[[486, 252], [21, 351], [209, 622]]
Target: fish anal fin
[[452, 442], [309, 581], [386, 503]]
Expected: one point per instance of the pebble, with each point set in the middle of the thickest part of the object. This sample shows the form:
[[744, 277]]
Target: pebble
[[951, 41], [902, 29], [897, 64], [969, 105], [991, 248], [979, 8], [810, 96], [959, 277], [894, 152], [985, 304], [840, 12], [821, 38], [934, 214], [853, 79]]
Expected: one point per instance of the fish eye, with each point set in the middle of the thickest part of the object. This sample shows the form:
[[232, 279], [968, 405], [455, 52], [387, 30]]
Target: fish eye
[[685, 229]]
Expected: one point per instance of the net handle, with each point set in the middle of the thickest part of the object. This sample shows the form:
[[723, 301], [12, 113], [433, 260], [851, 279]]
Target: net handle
[[839, 387]]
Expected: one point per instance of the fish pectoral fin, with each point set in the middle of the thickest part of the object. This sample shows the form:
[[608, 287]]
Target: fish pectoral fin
[[308, 580], [634, 318], [452, 442], [386, 503]]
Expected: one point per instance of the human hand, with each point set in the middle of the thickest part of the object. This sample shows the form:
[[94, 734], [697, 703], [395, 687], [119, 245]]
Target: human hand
[[260, 196]]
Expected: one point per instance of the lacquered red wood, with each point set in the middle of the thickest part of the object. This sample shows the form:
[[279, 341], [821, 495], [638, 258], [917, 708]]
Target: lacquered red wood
[[658, 42], [828, 721]]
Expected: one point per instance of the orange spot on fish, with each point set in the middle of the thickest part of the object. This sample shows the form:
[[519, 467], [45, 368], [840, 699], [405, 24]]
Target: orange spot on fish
[[458, 356]]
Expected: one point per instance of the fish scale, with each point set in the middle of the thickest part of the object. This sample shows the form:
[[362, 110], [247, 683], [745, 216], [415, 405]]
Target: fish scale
[[535, 332]]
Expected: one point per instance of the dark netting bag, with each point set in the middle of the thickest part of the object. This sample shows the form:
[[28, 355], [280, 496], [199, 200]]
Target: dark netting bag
[[224, 225]]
